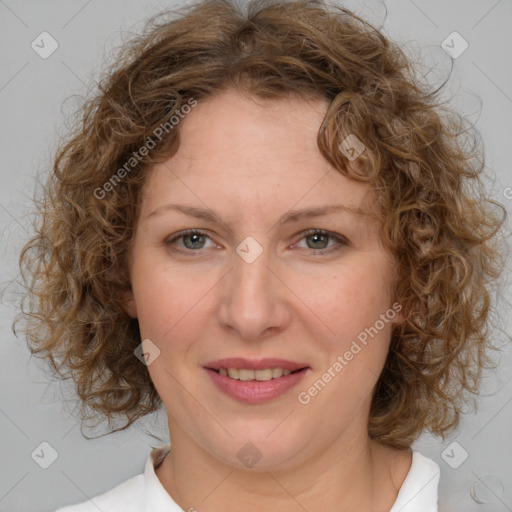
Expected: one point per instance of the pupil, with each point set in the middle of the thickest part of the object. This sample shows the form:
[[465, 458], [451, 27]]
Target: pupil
[[319, 238], [195, 239]]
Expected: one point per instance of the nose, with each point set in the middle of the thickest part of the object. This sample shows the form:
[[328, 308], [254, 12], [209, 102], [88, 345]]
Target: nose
[[254, 299]]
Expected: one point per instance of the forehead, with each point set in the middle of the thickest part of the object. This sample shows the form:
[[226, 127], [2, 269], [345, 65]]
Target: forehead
[[253, 153]]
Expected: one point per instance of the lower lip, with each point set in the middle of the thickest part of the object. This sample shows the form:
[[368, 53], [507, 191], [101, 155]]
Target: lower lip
[[252, 391]]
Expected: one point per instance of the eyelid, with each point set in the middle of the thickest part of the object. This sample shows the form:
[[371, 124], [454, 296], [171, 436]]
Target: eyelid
[[341, 241], [314, 231], [169, 241]]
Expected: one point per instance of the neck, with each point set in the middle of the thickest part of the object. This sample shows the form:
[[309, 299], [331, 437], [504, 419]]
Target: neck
[[360, 474]]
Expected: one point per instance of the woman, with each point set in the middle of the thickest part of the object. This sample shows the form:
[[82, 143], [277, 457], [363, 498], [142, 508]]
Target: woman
[[264, 224]]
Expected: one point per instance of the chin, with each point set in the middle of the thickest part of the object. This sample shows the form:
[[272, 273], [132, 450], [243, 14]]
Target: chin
[[260, 452]]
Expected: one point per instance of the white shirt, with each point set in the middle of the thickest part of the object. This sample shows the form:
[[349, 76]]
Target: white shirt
[[145, 493]]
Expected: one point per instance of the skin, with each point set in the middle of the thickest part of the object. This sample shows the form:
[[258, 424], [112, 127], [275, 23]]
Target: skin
[[251, 161]]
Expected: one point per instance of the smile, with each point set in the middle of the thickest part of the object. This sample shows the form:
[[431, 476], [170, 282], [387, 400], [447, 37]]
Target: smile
[[259, 375], [255, 381]]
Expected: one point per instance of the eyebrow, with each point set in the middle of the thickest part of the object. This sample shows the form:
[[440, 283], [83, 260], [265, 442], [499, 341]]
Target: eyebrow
[[291, 216]]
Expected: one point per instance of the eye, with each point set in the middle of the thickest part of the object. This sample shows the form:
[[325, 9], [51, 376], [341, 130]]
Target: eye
[[195, 240], [318, 239], [189, 241]]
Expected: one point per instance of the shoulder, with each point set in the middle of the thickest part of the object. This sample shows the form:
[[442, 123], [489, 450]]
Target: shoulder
[[419, 491], [125, 496], [142, 492]]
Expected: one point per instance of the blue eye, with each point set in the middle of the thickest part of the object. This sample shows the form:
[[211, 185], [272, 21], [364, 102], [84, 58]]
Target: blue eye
[[318, 240], [194, 240]]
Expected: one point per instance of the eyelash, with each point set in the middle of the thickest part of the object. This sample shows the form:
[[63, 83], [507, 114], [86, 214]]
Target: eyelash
[[339, 239]]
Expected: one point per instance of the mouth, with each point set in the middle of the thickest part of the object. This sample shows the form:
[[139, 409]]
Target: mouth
[[247, 374], [239, 368], [254, 381]]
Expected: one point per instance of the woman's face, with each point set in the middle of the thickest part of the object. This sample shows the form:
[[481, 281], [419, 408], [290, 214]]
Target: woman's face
[[258, 282]]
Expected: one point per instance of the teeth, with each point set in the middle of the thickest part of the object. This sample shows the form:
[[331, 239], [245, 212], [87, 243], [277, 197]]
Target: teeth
[[263, 374], [245, 374], [233, 373], [260, 375]]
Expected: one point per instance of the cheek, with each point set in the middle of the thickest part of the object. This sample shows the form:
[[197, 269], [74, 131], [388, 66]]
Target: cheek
[[172, 308], [349, 306], [347, 301], [170, 303]]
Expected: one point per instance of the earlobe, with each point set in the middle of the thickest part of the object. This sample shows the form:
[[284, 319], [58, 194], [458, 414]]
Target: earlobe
[[399, 313], [399, 318], [129, 304]]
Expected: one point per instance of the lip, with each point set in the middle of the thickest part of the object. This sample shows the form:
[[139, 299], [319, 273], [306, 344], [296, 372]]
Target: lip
[[255, 364], [254, 391]]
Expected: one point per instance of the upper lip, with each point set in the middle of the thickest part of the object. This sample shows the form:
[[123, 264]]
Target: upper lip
[[255, 364]]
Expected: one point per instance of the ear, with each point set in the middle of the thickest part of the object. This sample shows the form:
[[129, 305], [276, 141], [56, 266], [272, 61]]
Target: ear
[[129, 304], [399, 313]]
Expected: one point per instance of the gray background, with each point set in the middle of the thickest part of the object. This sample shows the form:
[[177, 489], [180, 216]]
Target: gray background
[[37, 97]]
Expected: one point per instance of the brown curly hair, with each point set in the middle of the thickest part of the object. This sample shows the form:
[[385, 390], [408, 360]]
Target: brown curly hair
[[436, 219]]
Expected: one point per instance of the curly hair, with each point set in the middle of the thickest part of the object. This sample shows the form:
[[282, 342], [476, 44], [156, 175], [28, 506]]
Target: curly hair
[[436, 219]]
